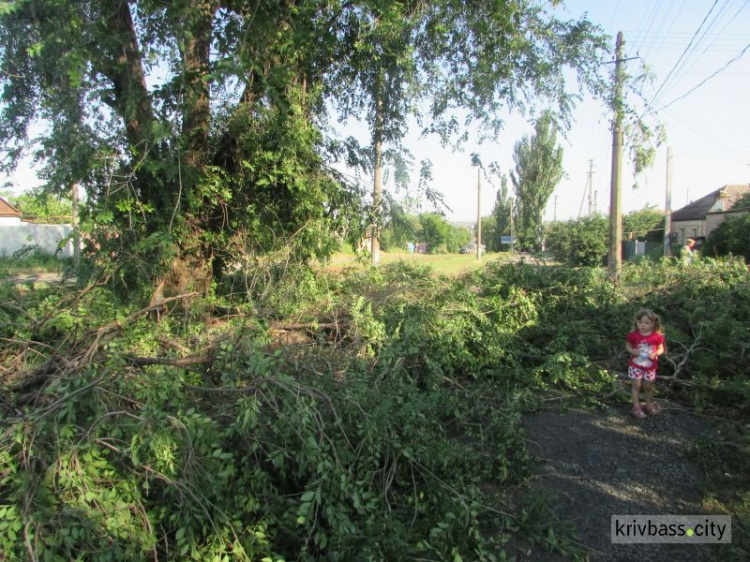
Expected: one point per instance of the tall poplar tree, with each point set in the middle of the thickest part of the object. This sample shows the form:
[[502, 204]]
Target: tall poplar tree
[[538, 170]]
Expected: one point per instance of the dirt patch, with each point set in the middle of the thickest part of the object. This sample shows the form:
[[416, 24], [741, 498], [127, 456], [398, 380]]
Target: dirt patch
[[41, 277], [599, 464]]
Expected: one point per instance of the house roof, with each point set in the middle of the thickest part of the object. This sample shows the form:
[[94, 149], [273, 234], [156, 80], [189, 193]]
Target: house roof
[[8, 210], [698, 209]]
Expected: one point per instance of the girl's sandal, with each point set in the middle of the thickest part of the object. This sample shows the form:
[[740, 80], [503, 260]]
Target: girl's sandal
[[638, 414], [652, 409]]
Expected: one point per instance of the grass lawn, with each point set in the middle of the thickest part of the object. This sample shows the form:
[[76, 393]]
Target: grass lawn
[[444, 264], [34, 265]]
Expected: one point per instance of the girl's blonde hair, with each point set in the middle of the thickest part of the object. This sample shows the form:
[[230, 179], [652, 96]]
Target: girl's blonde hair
[[651, 316]]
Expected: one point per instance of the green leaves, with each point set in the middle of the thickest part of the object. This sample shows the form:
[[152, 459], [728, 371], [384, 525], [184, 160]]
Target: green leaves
[[538, 170]]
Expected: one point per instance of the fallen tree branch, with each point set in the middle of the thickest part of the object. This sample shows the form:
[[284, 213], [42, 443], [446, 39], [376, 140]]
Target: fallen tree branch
[[678, 366], [175, 362]]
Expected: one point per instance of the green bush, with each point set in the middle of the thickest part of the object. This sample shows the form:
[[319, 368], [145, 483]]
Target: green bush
[[581, 242], [732, 237]]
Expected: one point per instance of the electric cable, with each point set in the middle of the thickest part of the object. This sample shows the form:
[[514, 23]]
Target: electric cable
[[709, 28], [719, 71], [669, 75]]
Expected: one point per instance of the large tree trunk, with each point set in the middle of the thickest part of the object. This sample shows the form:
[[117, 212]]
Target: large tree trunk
[[120, 61], [196, 101]]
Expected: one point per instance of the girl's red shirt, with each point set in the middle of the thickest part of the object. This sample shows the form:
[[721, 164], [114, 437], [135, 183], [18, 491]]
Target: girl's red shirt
[[646, 345]]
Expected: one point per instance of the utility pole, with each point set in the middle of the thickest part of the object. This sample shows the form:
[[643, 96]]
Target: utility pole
[[377, 188], [591, 187], [554, 211], [615, 209], [74, 198], [512, 211], [479, 213], [668, 208]]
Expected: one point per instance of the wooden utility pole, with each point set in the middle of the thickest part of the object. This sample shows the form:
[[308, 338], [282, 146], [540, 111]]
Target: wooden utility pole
[[479, 213], [615, 209], [668, 208]]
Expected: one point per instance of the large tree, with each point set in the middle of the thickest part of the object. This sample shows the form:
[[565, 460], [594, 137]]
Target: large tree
[[538, 170], [199, 128]]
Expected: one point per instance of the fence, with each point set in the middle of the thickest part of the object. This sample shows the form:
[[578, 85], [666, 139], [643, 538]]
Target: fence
[[45, 237], [633, 248]]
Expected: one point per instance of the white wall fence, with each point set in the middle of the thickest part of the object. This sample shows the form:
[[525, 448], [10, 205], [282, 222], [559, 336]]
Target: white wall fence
[[46, 237]]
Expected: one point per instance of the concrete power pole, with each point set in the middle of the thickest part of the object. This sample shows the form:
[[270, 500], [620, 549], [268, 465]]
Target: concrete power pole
[[591, 188], [377, 194], [668, 208], [512, 234], [479, 213], [74, 198], [377, 188], [615, 210]]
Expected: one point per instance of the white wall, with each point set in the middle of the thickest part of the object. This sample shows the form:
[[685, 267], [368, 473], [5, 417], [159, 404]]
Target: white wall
[[688, 229], [46, 236]]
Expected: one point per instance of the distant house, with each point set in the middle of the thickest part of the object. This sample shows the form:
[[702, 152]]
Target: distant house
[[703, 216], [471, 226], [9, 215]]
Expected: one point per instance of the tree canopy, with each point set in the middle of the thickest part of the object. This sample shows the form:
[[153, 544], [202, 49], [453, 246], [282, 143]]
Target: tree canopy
[[207, 129]]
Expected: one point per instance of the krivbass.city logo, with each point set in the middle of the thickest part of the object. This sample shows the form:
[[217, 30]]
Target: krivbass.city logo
[[632, 529]]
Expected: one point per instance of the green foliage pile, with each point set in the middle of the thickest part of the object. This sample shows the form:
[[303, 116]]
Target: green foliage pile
[[367, 416]]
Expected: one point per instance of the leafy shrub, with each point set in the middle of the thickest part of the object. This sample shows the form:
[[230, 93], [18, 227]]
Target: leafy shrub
[[581, 242], [732, 237], [646, 224]]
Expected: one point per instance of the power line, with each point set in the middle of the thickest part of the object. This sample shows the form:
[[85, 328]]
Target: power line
[[705, 33], [660, 38], [648, 16], [719, 71], [684, 52], [703, 135], [714, 45]]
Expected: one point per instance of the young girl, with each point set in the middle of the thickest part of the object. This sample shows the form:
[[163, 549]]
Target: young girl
[[645, 344]]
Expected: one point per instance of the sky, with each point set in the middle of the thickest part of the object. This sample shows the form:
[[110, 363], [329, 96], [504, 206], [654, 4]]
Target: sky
[[699, 54], [701, 94]]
